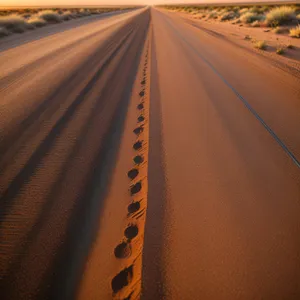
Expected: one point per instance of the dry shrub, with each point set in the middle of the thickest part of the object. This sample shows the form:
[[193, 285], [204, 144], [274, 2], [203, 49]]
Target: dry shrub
[[67, 15], [3, 32], [260, 45], [295, 32], [280, 15], [49, 16], [37, 21], [84, 12], [251, 17], [213, 15], [256, 24], [280, 50], [13, 22], [229, 15], [243, 11]]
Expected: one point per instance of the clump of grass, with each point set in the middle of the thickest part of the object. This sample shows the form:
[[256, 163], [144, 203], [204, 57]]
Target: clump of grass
[[30, 26], [261, 45], [295, 32], [67, 15], [193, 12], [13, 23], [236, 9], [280, 50], [200, 16], [251, 17], [37, 22], [255, 9], [256, 24], [84, 12], [18, 29], [290, 46], [26, 16], [243, 11], [280, 15], [264, 9], [50, 16], [212, 15], [236, 21], [3, 32], [277, 30], [95, 12], [229, 15]]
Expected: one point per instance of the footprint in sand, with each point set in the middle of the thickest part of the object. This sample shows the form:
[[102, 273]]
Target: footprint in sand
[[136, 188], [131, 231], [138, 159], [123, 250], [133, 207], [122, 279], [140, 106], [129, 297], [133, 173], [137, 145], [141, 119], [138, 130]]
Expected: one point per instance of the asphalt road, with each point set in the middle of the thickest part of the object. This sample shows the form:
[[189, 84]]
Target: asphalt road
[[223, 172]]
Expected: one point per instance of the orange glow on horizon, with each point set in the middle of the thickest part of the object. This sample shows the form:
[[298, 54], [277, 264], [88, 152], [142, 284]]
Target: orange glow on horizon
[[107, 2]]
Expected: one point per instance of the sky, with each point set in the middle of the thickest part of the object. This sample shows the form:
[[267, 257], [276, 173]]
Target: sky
[[99, 2]]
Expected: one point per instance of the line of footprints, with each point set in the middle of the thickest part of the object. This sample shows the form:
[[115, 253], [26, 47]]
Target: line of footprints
[[123, 250]]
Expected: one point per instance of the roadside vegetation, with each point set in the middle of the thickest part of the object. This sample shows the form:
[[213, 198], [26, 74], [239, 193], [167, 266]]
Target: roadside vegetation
[[280, 50], [295, 32], [21, 20], [282, 18], [261, 45]]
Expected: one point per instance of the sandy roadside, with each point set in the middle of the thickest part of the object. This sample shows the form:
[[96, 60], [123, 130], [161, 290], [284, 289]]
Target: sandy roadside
[[245, 36], [28, 36]]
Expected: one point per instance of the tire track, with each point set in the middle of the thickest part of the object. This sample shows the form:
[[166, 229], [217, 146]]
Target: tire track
[[69, 127], [62, 123], [48, 112]]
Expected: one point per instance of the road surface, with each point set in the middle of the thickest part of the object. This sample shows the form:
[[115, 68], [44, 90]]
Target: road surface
[[210, 134]]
